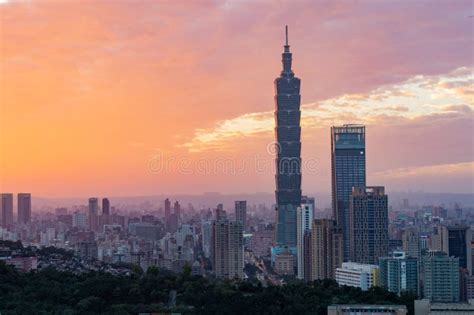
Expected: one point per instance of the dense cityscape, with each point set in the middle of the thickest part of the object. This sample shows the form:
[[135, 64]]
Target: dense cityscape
[[362, 252]]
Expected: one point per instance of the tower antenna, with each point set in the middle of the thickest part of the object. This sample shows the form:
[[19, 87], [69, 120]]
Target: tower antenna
[[286, 33]]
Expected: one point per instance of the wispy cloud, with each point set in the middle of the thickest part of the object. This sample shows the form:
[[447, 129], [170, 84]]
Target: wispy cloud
[[410, 100], [452, 169]]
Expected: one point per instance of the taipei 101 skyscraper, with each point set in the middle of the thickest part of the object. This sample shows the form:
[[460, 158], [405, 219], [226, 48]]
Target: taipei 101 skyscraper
[[288, 150]]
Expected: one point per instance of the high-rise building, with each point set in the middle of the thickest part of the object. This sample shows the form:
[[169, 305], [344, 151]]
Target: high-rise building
[[93, 216], [399, 273], [309, 200], [441, 277], [326, 249], [368, 216], [411, 242], [105, 206], [104, 218], [227, 249], [241, 213], [79, 220], [177, 211], [220, 213], [456, 240], [6, 209], [304, 217], [167, 210], [358, 275], [288, 150], [348, 170], [24, 208], [206, 229]]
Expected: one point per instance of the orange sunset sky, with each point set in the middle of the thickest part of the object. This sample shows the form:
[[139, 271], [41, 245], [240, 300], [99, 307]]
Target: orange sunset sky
[[96, 96]]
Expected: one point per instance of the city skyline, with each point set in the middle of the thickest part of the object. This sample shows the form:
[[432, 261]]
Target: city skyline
[[156, 114], [67, 136]]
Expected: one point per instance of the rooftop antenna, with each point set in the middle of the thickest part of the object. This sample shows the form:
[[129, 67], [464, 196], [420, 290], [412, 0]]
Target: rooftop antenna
[[286, 33]]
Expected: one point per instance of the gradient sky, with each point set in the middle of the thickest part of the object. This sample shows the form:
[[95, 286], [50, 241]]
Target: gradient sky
[[150, 97]]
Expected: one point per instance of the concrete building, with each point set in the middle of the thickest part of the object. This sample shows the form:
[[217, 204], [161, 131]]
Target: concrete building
[[227, 249], [304, 217], [93, 215], [6, 209], [306, 200], [24, 208], [23, 264], [368, 214], [411, 242], [105, 206], [241, 213], [358, 275], [167, 213], [177, 211], [347, 171], [79, 220], [425, 307], [145, 231], [456, 241], [87, 250], [284, 263], [399, 273], [206, 228], [326, 249], [366, 309], [441, 277]]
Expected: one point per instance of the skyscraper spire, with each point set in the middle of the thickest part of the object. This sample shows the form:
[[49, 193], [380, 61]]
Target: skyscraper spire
[[286, 56]]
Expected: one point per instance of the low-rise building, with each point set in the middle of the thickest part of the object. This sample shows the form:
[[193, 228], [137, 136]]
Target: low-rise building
[[425, 307], [284, 264], [367, 309], [362, 276], [24, 264]]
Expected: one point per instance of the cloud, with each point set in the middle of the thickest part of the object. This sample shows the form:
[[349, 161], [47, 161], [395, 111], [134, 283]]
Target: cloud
[[452, 169], [379, 106]]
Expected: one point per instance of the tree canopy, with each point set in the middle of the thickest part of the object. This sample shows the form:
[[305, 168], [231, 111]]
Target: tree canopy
[[54, 292]]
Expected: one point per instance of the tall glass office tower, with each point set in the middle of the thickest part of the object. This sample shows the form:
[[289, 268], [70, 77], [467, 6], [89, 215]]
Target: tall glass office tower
[[348, 170], [288, 160]]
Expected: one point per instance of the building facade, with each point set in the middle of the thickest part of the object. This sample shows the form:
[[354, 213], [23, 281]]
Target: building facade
[[326, 249], [285, 264], [6, 209], [304, 222], [241, 213], [358, 275], [93, 215], [399, 273], [455, 240], [411, 242], [288, 150], [366, 309], [105, 206], [441, 277], [368, 215], [425, 307], [227, 249], [24, 208], [347, 171]]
